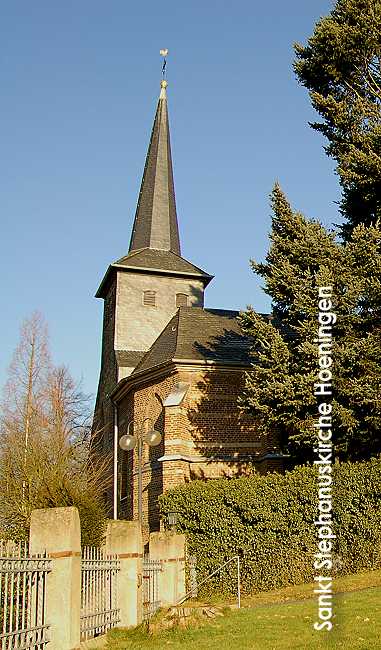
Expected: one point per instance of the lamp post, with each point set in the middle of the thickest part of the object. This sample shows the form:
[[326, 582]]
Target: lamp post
[[129, 441]]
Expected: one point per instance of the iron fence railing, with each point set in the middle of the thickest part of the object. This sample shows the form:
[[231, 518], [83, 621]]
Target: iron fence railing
[[151, 573], [99, 593], [23, 623]]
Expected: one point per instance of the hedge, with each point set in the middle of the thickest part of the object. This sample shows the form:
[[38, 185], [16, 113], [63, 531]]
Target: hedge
[[268, 521]]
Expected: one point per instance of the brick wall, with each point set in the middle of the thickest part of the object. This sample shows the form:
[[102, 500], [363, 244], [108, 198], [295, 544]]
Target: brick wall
[[206, 436], [139, 404], [130, 325]]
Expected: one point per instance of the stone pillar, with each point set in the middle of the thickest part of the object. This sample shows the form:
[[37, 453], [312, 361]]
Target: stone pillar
[[125, 539], [57, 530], [170, 548]]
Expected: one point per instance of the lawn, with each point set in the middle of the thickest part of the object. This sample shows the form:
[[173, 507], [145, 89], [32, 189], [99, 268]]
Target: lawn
[[274, 621]]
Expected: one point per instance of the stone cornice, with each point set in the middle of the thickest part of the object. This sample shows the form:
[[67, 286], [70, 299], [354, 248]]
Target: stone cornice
[[134, 381]]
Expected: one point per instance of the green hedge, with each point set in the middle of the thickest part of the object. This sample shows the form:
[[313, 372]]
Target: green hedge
[[268, 522]]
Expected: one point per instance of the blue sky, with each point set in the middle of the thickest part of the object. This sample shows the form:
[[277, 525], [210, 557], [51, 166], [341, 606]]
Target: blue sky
[[79, 86]]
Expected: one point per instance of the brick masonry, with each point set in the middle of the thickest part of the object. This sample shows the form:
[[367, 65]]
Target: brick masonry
[[204, 437]]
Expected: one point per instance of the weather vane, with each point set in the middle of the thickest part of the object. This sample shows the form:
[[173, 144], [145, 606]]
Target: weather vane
[[164, 55]]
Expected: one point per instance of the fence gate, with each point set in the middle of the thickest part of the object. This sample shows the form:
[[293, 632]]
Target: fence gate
[[99, 594], [22, 597], [151, 572]]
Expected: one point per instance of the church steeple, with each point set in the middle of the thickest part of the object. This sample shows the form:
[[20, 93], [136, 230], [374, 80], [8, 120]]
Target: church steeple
[[143, 290], [155, 225]]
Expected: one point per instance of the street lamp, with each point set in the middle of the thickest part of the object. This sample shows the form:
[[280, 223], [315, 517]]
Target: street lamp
[[129, 441]]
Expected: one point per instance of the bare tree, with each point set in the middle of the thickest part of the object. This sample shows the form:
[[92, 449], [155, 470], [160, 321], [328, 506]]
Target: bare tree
[[44, 441], [27, 376]]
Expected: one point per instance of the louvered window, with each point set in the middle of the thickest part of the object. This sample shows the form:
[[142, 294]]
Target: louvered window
[[181, 300], [149, 298]]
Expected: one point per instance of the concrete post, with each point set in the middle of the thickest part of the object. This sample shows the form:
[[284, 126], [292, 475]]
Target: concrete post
[[57, 530], [125, 539], [169, 548]]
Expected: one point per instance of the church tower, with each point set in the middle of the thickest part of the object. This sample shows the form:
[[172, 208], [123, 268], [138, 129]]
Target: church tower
[[143, 290]]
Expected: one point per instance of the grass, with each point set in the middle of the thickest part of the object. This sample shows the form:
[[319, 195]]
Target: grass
[[278, 620], [343, 584]]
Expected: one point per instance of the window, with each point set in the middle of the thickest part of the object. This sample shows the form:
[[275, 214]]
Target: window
[[149, 298], [181, 300]]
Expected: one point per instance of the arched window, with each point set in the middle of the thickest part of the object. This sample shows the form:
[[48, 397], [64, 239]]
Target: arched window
[[181, 300], [149, 298]]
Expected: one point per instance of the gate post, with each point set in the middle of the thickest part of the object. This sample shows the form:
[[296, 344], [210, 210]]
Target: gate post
[[170, 549], [125, 539], [57, 530]]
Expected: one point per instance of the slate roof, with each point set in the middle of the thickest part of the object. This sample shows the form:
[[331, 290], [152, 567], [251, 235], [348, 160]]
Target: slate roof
[[199, 334], [155, 224], [128, 358], [150, 258]]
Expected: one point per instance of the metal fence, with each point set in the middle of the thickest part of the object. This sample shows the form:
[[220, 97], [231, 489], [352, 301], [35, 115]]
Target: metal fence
[[99, 593], [22, 597], [151, 571], [191, 591]]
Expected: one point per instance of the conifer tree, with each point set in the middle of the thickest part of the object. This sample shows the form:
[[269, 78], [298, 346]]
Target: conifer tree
[[279, 388], [340, 66]]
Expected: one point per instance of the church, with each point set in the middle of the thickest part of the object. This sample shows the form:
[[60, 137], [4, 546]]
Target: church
[[169, 363]]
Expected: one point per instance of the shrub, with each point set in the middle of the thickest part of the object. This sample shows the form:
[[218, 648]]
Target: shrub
[[268, 521]]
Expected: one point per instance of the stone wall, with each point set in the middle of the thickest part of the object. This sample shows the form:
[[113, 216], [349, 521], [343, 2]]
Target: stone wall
[[56, 534], [139, 325]]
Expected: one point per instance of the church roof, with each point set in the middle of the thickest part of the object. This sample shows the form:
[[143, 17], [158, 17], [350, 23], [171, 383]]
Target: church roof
[[149, 258], [196, 334], [155, 224], [128, 358]]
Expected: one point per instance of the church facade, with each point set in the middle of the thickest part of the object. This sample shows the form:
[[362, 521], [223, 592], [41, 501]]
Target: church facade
[[168, 362]]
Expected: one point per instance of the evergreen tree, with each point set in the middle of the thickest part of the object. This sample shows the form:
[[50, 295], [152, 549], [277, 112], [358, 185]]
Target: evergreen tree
[[340, 66], [279, 388]]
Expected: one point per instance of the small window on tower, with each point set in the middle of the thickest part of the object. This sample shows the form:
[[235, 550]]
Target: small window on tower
[[181, 300], [149, 298]]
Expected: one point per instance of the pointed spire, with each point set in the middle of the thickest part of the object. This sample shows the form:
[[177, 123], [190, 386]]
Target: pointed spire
[[155, 224]]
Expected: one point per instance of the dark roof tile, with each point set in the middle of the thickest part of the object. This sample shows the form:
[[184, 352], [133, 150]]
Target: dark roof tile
[[155, 224], [128, 358], [200, 334], [151, 258]]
